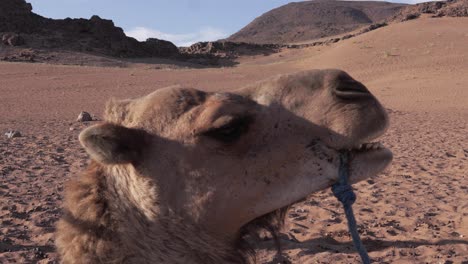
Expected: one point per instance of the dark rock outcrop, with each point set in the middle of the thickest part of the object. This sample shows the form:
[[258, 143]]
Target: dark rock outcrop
[[94, 35], [17, 16], [227, 49], [160, 48]]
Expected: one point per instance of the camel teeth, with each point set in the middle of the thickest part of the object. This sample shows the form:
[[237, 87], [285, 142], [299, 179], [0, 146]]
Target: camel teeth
[[368, 146], [375, 145]]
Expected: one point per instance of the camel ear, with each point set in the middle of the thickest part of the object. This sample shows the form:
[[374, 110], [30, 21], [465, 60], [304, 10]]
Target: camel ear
[[113, 144]]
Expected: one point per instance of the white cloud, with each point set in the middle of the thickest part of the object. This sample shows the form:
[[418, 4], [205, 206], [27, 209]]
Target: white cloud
[[204, 34]]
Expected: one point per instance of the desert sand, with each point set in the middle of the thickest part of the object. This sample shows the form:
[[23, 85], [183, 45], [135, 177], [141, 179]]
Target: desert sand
[[415, 212]]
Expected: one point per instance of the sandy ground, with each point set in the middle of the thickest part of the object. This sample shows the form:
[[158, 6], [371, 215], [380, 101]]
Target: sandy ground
[[415, 212]]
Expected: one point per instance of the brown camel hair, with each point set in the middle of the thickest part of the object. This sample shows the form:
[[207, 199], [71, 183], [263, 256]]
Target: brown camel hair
[[186, 176]]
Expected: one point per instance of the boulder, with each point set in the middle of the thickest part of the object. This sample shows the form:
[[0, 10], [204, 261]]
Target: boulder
[[12, 39], [84, 117]]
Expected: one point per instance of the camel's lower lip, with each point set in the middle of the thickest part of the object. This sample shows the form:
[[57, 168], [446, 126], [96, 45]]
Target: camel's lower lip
[[369, 162], [378, 157], [371, 153]]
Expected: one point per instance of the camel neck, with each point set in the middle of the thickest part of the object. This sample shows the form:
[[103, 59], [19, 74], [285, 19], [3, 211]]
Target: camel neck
[[149, 233]]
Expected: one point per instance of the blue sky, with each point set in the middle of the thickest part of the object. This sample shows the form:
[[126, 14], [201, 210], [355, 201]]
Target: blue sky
[[180, 21]]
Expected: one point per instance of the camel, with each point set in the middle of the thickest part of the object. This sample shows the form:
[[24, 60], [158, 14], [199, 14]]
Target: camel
[[184, 176]]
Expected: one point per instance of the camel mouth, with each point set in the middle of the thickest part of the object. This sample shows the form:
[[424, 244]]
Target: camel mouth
[[374, 151], [367, 147], [369, 159]]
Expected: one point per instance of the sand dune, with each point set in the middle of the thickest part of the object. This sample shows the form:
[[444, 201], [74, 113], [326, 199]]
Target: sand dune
[[416, 212]]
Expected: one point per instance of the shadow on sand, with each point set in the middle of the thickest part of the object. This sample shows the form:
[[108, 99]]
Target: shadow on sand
[[328, 244]]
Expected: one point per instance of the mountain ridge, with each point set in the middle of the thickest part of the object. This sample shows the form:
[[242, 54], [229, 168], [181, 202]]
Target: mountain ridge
[[302, 21]]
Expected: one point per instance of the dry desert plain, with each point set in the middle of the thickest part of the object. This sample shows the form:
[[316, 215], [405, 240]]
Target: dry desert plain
[[415, 212]]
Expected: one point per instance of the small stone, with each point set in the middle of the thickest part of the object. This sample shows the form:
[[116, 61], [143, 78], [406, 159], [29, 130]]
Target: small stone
[[300, 210], [392, 232], [38, 253], [296, 231], [12, 134], [84, 117], [370, 181], [300, 218], [293, 215], [450, 154]]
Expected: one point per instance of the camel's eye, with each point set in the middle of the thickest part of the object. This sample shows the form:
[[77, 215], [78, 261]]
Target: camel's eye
[[230, 130]]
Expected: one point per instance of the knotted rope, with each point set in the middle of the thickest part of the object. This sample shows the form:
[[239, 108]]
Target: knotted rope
[[344, 193]]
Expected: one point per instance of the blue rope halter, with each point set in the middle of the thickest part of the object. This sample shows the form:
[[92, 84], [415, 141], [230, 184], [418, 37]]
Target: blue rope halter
[[344, 193]]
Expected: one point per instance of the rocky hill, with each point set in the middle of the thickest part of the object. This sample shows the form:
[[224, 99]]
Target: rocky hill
[[302, 21], [450, 8], [19, 26]]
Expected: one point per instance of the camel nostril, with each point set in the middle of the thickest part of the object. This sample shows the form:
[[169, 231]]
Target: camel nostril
[[351, 89]]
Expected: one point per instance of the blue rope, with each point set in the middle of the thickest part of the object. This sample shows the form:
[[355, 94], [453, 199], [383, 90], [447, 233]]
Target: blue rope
[[344, 193]]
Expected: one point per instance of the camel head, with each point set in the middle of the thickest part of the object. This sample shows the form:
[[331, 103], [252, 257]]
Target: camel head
[[221, 160]]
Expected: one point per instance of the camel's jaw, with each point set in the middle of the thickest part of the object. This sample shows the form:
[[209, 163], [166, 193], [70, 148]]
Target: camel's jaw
[[368, 160]]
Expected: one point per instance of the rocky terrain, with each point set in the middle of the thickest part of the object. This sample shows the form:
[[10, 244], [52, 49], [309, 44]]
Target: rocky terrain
[[450, 8], [233, 50], [19, 26], [245, 43], [303, 21], [29, 37], [300, 22]]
